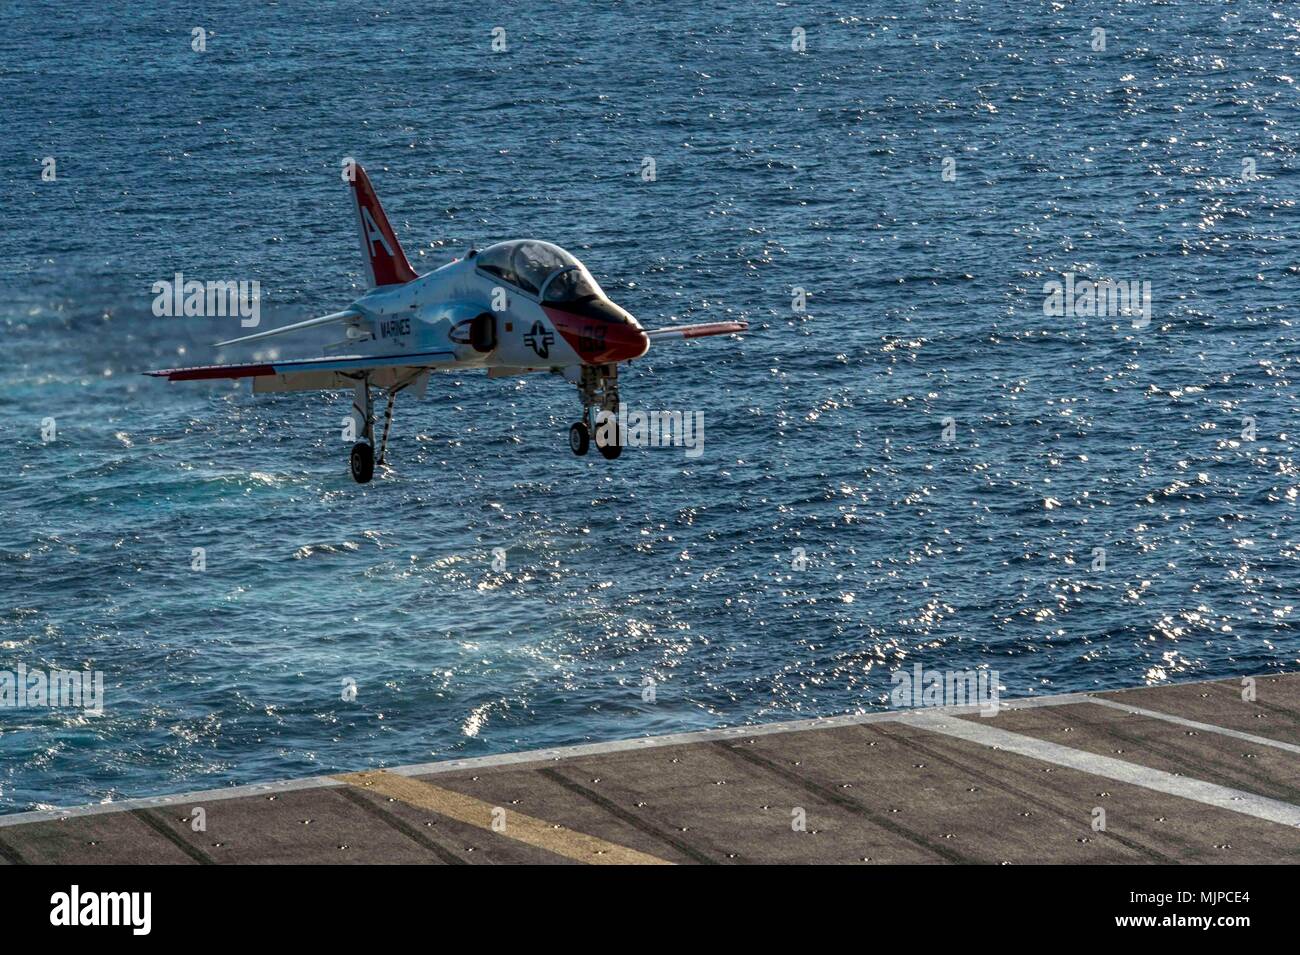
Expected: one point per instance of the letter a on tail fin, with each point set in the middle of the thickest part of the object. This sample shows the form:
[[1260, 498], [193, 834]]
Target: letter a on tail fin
[[385, 261]]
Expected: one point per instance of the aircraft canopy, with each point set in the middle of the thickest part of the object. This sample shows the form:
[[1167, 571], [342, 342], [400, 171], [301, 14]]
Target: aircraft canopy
[[531, 264]]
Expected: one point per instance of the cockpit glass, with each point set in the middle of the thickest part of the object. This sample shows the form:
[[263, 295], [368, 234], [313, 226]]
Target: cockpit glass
[[572, 285], [495, 260], [528, 264], [534, 262]]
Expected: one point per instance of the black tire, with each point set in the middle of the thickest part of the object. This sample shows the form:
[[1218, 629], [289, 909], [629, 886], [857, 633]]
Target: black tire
[[579, 438], [363, 462], [608, 451]]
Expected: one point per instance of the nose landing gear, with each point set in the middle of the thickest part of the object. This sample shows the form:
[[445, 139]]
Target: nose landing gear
[[598, 389], [579, 438], [609, 451]]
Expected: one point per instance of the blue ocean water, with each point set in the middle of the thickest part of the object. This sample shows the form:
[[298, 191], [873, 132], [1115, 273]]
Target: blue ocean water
[[775, 169]]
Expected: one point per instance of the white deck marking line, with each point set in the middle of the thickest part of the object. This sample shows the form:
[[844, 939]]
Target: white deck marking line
[[200, 797], [1193, 724], [1209, 794]]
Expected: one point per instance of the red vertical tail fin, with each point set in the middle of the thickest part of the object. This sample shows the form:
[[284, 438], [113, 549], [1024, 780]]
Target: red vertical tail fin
[[385, 261]]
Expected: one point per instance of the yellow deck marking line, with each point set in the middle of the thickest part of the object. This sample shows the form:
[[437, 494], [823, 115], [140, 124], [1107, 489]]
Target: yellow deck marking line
[[475, 812]]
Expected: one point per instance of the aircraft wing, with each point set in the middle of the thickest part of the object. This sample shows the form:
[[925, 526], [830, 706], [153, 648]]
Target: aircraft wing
[[318, 374], [349, 315], [696, 331]]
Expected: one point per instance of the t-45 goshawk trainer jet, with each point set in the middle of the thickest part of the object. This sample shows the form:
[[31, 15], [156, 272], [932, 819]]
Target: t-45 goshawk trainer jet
[[512, 308]]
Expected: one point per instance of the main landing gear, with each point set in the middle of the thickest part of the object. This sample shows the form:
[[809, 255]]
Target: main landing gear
[[363, 458], [598, 389], [363, 462]]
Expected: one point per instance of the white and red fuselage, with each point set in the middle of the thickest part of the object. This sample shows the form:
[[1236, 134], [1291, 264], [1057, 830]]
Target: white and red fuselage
[[490, 320], [512, 308]]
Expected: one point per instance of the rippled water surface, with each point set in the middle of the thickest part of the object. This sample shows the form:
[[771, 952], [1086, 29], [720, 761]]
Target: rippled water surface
[[775, 170]]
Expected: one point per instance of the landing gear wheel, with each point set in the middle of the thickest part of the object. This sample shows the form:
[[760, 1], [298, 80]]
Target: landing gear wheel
[[609, 451], [579, 438], [363, 462]]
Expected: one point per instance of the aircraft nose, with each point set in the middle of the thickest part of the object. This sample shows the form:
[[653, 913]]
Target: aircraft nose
[[602, 334], [626, 341]]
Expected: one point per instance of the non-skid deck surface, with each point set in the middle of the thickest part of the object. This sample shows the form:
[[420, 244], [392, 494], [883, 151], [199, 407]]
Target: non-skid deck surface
[[1191, 773]]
